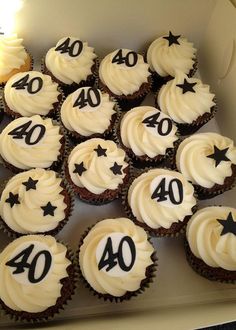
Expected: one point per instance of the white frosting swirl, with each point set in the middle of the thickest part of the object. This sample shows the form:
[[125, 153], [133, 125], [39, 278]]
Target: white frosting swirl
[[165, 59], [185, 107], [144, 140], [69, 69], [101, 281], [28, 216], [12, 54], [27, 104], [193, 163], [122, 79], [98, 175], [28, 297], [205, 239], [42, 154], [88, 120], [155, 213]]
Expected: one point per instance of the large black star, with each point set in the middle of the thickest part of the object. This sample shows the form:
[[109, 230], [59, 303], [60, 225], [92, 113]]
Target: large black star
[[100, 151], [30, 184], [48, 209], [229, 225], [12, 199], [219, 155], [116, 169], [172, 39], [79, 168], [187, 86]]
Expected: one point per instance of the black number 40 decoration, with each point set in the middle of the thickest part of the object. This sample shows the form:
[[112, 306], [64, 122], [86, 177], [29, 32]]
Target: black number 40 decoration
[[20, 263], [130, 59], [33, 85], [23, 131], [90, 96], [74, 49], [110, 259], [161, 192], [164, 125]]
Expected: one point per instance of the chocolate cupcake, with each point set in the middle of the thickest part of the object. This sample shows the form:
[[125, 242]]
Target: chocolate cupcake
[[97, 169], [208, 160], [124, 75], [210, 246], [33, 202], [116, 259], [37, 277]]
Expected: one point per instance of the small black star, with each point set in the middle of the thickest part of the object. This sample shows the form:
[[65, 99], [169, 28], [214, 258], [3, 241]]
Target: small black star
[[79, 168], [172, 39], [187, 86], [229, 225], [12, 199], [100, 151], [116, 169], [219, 155], [30, 184], [48, 209]]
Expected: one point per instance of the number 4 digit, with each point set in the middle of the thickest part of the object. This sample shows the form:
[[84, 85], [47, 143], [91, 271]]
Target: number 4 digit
[[108, 257], [20, 260]]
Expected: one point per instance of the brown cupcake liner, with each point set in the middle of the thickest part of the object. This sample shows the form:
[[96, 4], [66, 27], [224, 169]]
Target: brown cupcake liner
[[176, 229], [69, 285], [211, 273], [1, 108], [150, 274]]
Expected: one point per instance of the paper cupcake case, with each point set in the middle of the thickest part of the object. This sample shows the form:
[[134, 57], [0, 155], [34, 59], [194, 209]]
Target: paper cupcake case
[[145, 283], [69, 285], [175, 230]]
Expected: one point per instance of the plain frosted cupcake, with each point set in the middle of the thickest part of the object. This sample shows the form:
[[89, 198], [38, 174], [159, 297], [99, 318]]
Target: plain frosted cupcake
[[88, 113], [116, 259], [26, 143], [169, 53], [147, 135], [35, 201], [31, 93], [211, 242], [37, 277], [124, 75], [13, 57], [97, 169], [72, 63], [208, 160], [187, 101], [161, 201]]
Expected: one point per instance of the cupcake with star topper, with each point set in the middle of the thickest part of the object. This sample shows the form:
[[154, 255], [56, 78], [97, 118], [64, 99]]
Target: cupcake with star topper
[[35, 201], [170, 53], [211, 242], [208, 160], [187, 101], [97, 169]]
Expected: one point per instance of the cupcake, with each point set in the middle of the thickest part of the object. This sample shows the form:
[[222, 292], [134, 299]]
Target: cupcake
[[88, 113], [169, 53], [37, 277], [116, 259], [14, 57], [35, 201], [161, 201], [208, 160], [211, 241], [187, 101], [124, 75], [71, 63], [31, 93], [147, 135], [26, 143], [97, 169]]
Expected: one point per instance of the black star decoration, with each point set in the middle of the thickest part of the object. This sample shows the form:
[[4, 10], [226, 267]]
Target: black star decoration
[[79, 168], [13, 199], [172, 39], [30, 184], [219, 155], [229, 225], [48, 209], [187, 86], [100, 151], [116, 169]]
